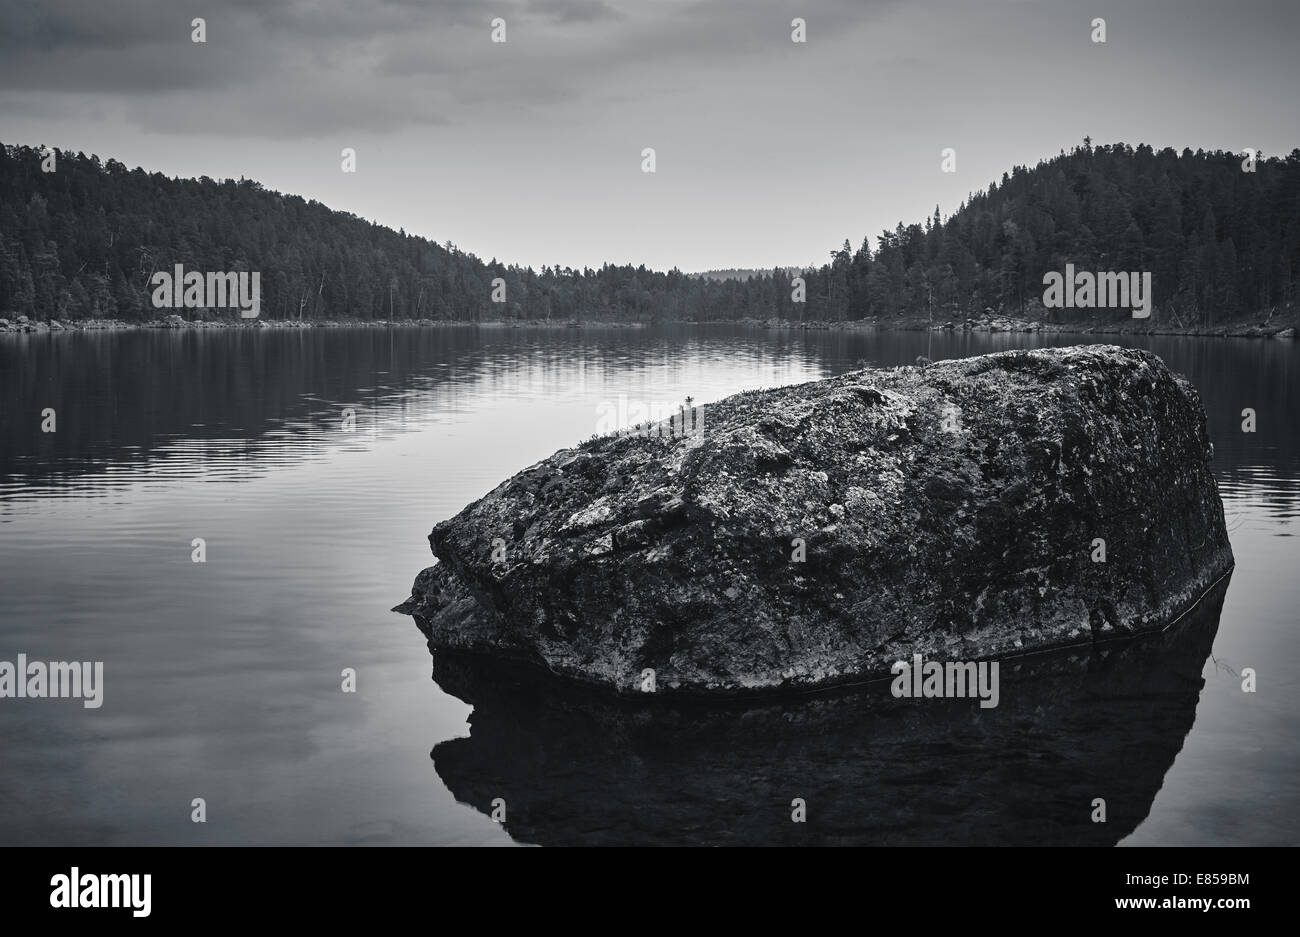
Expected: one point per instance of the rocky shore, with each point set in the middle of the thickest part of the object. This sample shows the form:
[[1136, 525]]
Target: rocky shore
[[27, 325], [1281, 328]]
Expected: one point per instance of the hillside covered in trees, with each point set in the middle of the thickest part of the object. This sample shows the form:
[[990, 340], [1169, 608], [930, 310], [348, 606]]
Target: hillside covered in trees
[[82, 242]]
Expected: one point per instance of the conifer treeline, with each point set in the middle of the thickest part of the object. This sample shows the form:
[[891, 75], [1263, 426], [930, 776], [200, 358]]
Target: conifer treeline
[[81, 242]]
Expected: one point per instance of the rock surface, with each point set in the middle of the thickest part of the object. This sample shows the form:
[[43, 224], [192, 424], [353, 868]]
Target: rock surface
[[954, 511]]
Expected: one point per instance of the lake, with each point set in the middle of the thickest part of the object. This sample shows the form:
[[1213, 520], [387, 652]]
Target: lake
[[222, 679]]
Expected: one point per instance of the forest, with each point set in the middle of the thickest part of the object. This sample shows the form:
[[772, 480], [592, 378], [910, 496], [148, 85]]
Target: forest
[[1219, 241]]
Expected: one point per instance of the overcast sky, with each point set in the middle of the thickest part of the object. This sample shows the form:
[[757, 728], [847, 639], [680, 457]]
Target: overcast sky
[[768, 152]]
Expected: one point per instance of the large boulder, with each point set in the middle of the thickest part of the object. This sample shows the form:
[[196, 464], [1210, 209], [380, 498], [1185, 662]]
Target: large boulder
[[815, 534]]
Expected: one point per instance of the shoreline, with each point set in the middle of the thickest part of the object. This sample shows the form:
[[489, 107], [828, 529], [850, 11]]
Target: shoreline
[[1281, 327]]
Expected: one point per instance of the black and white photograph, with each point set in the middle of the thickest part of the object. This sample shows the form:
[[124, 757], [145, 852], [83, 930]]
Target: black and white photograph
[[649, 423]]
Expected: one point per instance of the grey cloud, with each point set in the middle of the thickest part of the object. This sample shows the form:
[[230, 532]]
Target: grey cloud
[[306, 67], [574, 11]]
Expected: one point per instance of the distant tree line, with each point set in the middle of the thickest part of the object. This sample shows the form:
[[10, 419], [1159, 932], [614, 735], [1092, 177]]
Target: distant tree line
[[745, 273], [83, 241]]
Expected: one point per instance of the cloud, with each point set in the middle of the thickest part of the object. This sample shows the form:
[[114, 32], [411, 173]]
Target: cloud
[[310, 67], [574, 11]]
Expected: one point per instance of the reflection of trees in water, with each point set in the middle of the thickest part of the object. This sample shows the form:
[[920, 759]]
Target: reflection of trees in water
[[576, 768], [124, 397]]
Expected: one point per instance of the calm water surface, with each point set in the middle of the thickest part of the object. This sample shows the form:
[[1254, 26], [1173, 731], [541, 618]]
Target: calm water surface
[[222, 679]]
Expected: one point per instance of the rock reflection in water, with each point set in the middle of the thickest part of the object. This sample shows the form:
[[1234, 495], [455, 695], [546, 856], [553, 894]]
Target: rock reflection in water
[[574, 767]]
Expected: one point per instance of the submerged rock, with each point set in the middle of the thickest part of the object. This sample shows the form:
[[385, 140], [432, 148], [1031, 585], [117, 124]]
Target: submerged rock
[[578, 768], [815, 534]]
